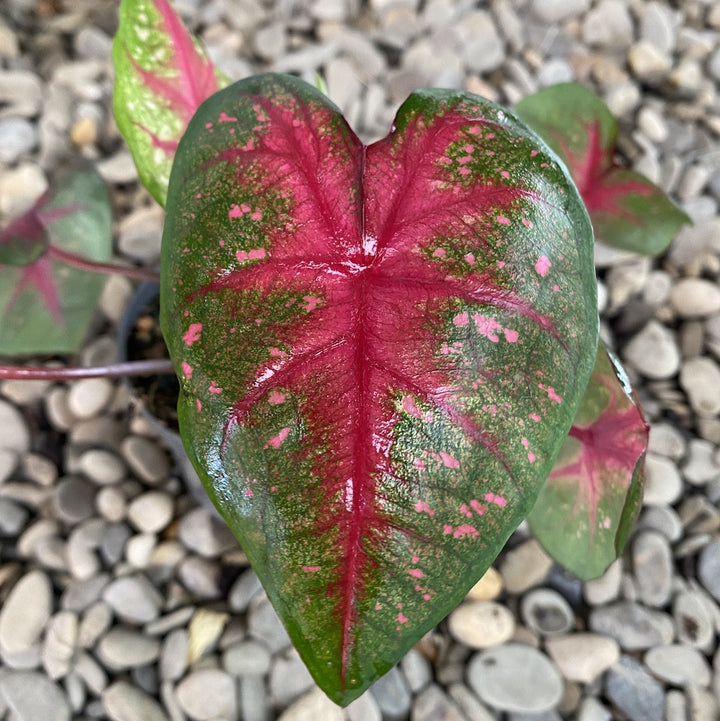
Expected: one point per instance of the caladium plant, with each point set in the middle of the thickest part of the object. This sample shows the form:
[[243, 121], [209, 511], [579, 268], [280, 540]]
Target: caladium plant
[[384, 351]]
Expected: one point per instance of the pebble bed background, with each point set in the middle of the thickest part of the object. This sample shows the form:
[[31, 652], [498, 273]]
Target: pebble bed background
[[123, 599]]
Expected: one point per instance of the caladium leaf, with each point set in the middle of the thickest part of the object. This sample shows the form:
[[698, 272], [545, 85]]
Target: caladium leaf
[[46, 305], [25, 239], [590, 502], [380, 349], [161, 76], [626, 209]]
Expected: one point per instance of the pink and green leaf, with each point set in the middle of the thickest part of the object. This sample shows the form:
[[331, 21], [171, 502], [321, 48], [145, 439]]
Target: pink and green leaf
[[591, 500], [626, 209], [46, 305], [161, 76], [380, 348]]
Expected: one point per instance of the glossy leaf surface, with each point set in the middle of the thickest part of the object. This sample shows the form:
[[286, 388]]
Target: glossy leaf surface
[[161, 77], [591, 500], [626, 209], [380, 350], [46, 305]]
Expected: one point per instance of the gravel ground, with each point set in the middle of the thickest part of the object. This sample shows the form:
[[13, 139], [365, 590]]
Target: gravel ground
[[124, 599]]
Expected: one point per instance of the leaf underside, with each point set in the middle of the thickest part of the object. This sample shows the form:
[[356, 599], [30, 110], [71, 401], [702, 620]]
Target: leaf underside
[[46, 306], [626, 209], [592, 498], [161, 76], [380, 350]]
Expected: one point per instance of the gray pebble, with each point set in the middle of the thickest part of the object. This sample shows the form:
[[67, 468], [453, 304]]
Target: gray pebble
[[174, 655], [678, 665], [253, 698], [592, 710], [700, 379], [664, 520], [101, 466], [8, 463], [134, 599], [633, 626], [658, 26], [141, 233], [205, 533], [17, 138], [25, 612], [392, 695], [700, 467], [663, 482], [312, 707], [525, 566], [114, 541], [515, 677], [693, 621], [648, 63], [34, 697], [635, 693], [666, 440], [702, 705], [364, 708], [554, 11], [654, 352], [583, 657], [546, 612], [151, 511], [246, 658], [146, 459], [207, 694], [289, 679], [269, 42], [96, 620], [123, 648], [13, 517], [200, 577], [608, 25], [483, 48], [81, 593], [653, 566], [481, 624], [175, 619], [21, 94], [74, 499], [469, 703], [15, 435], [709, 568], [432, 704], [59, 644], [416, 669], [695, 298], [89, 396], [124, 702], [265, 626]]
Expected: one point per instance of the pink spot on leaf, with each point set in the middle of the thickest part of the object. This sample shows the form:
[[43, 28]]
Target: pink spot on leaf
[[193, 334], [311, 569], [277, 441], [187, 370], [494, 498], [276, 398], [511, 336], [224, 118], [416, 572], [461, 319], [542, 266], [214, 389], [466, 530], [503, 220]]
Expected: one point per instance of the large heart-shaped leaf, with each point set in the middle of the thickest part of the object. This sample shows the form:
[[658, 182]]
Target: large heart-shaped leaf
[[161, 76], [381, 350], [627, 210], [589, 505], [45, 304]]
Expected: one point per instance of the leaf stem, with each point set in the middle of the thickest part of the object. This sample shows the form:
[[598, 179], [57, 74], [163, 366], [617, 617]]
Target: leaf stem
[[160, 366], [78, 261]]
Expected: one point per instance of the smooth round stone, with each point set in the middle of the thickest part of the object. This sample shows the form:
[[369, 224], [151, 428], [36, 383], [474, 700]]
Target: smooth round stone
[[243, 591], [205, 534], [125, 702], [633, 626], [20, 187], [146, 458], [15, 434], [666, 440], [254, 703], [40, 469], [102, 467], [634, 692], [89, 396], [13, 517], [200, 576], [151, 511], [8, 463], [692, 619], [488, 588], [700, 379], [96, 620], [525, 566], [17, 137], [74, 499], [653, 565], [700, 467], [678, 665], [583, 657], [59, 644], [174, 655], [546, 612], [663, 482], [654, 352], [313, 707], [695, 298], [709, 568], [392, 695], [139, 549], [363, 708], [33, 696], [122, 648], [664, 520], [246, 657], [134, 599], [207, 694], [25, 612], [289, 679], [433, 704], [111, 504], [481, 624], [416, 669], [515, 677]]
